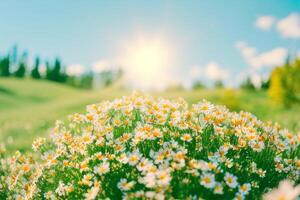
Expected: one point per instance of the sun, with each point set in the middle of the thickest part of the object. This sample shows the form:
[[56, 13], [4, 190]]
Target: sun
[[147, 62]]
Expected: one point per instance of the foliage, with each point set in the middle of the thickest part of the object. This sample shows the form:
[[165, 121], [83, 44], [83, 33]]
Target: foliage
[[108, 77], [297, 75], [265, 84], [247, 84], [84, 81], [30, 107], [219, 84], [35, 73], [198, 85], [20, 72], [55, 72], [276, 90], [4, 66], [285, 83], [140, 147]]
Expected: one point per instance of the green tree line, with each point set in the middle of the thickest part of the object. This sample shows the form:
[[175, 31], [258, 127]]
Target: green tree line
[[14, 65]]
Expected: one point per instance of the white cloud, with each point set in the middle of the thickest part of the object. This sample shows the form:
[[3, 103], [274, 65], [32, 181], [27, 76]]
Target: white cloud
[[215, 72], [270, 58], [255, 77], [195, 71], [289, 27], [75, 70], [246, 50], [211, 70], [265, 22], [256, 80], [103, 65]]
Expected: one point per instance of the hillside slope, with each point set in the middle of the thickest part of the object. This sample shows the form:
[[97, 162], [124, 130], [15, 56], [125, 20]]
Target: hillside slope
[[28, 108]]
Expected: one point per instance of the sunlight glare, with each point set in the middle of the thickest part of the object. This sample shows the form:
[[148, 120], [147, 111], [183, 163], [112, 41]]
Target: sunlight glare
[[148, 61]]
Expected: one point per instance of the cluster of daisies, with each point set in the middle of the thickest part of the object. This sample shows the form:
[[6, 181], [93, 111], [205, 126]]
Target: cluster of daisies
[[139, 147]]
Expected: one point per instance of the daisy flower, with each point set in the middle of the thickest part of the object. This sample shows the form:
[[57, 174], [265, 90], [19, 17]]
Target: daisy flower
[[186, 137], [124, 185], [230, 180], [208, 180], [102, 168], [245, 188]]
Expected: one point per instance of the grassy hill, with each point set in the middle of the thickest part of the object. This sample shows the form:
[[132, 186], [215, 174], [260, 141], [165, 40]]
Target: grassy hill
[[28, 108]]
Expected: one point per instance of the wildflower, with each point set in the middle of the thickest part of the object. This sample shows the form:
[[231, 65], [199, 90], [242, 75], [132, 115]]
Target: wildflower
[[99, 156], [218, 188], [25, 168], [230, 180], [245, 188], [84, 165], [186, 137], [87, 138], [102, 168], [261, 173], [62, 189], [134, 158], [205, 107], [208, 180], [285, 191], [149, 180], [239, 196], [163, 178], [86, 180], [49, 195], [93, 192], [179, 156], [279, 167], [143, 164], [257, 146], [161, 145], [156, 133], [38, 143], [124, 185]]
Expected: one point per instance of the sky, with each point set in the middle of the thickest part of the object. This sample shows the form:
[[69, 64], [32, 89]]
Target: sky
[[157, 43]]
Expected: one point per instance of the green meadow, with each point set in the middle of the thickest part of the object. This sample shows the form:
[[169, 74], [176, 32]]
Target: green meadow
[[29, 108]]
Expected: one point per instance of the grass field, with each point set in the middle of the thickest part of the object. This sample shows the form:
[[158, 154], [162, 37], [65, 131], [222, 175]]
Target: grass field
[[28, 108]]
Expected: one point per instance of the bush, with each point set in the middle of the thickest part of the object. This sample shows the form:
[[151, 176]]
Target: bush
[[138, 147], [198, 85]]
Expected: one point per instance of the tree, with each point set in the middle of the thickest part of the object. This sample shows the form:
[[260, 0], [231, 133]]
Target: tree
[[276, 90], [219, 84], [35, 73], [55, 73], [265, 84], [20, 72], [247, 84], [86, 81], [198, 85], [285, 83], [109, 77], [48, 70], [4, 66], [297, 75], [56, 70]]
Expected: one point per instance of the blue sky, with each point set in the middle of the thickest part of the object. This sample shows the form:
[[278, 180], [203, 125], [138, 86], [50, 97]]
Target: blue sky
[[209, 37]]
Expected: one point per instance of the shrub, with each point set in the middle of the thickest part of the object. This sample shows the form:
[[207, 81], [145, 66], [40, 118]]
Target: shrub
[[138, 147]]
